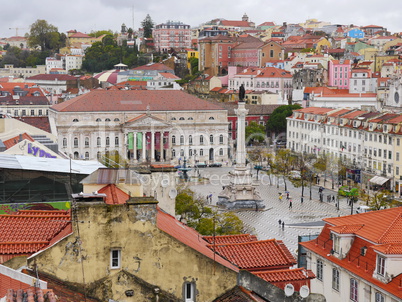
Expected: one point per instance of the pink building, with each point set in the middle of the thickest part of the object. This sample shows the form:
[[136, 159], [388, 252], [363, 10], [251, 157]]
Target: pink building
[[172, 34], [339, 73]]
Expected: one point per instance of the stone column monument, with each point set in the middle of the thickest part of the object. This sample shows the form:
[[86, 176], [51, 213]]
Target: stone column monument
[[241, 193]]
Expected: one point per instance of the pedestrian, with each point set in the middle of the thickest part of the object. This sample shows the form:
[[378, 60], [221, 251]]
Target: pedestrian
[[207, 198], [280, 196], [280, 222], [287, 195], [283, 225], [333, 198], [290, 204], [210, 198]]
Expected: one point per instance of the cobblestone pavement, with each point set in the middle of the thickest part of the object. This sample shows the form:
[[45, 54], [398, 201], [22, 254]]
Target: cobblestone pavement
[[303, 218]]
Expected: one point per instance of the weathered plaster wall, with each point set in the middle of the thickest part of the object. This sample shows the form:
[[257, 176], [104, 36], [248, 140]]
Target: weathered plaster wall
[[147, 253]]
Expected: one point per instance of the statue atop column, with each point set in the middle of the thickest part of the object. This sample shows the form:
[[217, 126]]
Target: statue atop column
[[242, 93]]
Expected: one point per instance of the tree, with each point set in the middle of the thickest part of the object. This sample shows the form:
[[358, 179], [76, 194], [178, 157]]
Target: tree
[[44, 35], [147, 24], [255, 133], [198, 215], [277, 120], [284, 162]]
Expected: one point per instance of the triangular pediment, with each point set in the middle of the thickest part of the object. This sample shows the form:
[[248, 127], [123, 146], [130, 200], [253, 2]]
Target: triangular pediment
[[146, 120]]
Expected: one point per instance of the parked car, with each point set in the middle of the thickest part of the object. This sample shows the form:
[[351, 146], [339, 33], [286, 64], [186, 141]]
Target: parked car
[[215, 165], [200, 165]]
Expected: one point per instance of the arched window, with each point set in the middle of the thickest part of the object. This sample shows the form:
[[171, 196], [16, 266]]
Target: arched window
[[201, 152], [173, 118], [98, 141], [190, 152], [220, 151], [107, 120], [201, 139], [181, 152], [117, 120], [116, 141], [211, 118], [98, 120], [221, 139], [75, 120], [173, 153], [98, 155], [86, 155], [86, 142], [64, 142], [75, 142], [211, 139], [190, 140], [173, 140], [107, 141], [181, 119], [181, 139], [190, 118], [76, 155]]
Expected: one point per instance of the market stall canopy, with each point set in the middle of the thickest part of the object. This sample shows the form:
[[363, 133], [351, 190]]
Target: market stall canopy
[[379, 180]]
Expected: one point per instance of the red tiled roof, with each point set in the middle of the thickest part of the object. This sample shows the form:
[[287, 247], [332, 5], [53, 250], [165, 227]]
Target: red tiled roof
[[230, 238], [295, 274], [189, 237], [114, 195], [15, 140], [134, 100], [256, 255], [31, 294], [153, 66], [389, 249], [314, 110], [354, 114], [169, 75], [52, 77], [41, 122], [27, 232]]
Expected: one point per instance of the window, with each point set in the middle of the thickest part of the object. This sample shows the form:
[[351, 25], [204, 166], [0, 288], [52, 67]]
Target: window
[[75, 120], [98, 120], [189, 292], [221, 139], [115, 258], [211, 139], [23, 112], [181, 152], [201, 152], [335, 239], [181, 119], [173, 140], [201, 139], [397, 156], [75, 142], [64, 142], [190, 140], [107, 141], [380, 265], [335, 279], [116, 120], [181, 139], [40, 112], [398, 141], [173, 152], [211, 118], [98, 141], [379, 297], [116, 141], [220, 151], [86, 142], [107, 120], [319, 269], [353, 289], [86, 155]]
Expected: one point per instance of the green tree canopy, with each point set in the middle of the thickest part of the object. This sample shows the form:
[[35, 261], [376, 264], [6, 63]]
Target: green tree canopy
[[147, 24], [255, 132], [45, 35], [277, 120], [99, 33]]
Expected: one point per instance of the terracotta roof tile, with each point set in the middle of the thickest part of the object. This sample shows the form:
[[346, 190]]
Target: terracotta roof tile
[[26, 232], [41, 122], [15, 140], [189, 237], [52, 77], [230, 238], [134, 100], [255, 255], [114, 195], [282, 275]]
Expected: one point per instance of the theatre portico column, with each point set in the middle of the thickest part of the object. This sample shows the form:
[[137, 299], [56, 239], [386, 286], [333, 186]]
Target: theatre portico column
[[152, 145], [161, 136], [144, 146], [135, 147]]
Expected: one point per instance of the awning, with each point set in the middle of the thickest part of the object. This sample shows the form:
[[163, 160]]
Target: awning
[[378, 180]]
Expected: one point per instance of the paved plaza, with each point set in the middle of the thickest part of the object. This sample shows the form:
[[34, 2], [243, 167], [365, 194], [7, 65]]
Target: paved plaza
[[301, 219]]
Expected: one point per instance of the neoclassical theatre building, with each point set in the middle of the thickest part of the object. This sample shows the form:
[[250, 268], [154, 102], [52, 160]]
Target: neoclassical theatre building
[[142, 125]]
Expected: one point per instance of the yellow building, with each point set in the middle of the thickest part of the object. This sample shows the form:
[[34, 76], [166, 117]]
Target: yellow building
[[322, 44], [135, 252], [191, 54]]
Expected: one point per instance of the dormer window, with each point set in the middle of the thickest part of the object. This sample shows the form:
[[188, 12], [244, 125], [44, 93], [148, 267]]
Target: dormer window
[[336, 243], [380, 265]]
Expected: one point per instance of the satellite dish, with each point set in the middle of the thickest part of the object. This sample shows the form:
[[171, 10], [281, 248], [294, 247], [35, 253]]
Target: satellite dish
[[165, 182], [289, 290], [173, 193], [304, 291]]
